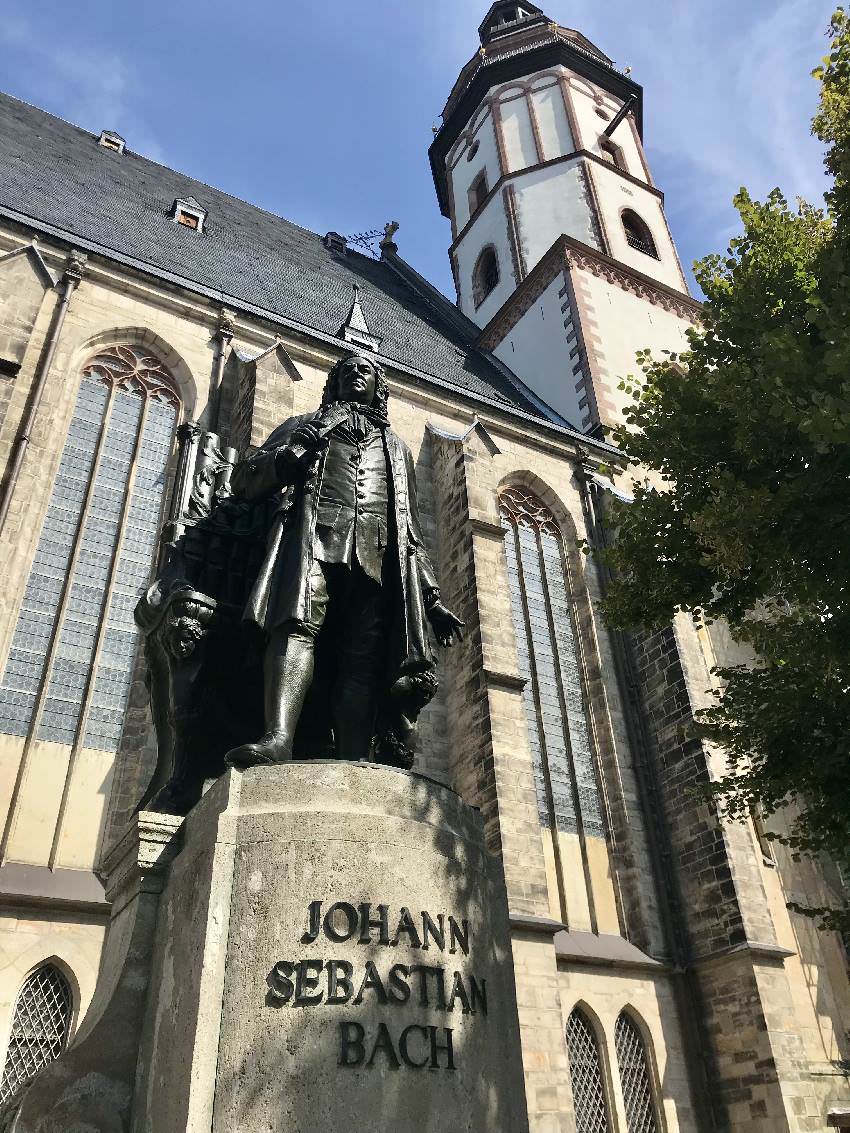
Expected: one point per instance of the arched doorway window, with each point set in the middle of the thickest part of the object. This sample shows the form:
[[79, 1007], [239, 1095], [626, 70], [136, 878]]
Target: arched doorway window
[[40, 1028], [485, 277], [634, 1076], [549, 659], [70, 666], [638, 235], [590, 1102]]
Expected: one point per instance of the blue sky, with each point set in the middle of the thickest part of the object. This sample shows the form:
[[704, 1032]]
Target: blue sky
[[323, 113]]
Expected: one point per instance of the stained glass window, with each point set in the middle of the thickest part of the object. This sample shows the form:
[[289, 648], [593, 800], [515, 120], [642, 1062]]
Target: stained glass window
[[634, 1076], [549, 659], [589, 1100], [39, 1028], [93, 557]]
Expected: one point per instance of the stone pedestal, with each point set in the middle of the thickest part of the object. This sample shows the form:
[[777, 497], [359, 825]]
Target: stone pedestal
[[331, 951]]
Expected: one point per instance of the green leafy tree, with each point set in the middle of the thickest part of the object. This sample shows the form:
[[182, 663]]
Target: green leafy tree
[[748, 433]]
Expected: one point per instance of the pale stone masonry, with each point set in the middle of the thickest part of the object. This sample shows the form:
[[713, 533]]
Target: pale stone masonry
[[672, 918]]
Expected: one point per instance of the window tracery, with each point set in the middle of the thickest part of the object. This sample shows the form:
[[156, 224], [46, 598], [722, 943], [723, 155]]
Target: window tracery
[[74, 644], [549, 659]]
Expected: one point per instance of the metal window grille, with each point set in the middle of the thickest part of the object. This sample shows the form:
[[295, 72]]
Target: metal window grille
[[589, 1101], [634, 1077], [39, 1028], [638, 235], [549, 659], [98, 538]]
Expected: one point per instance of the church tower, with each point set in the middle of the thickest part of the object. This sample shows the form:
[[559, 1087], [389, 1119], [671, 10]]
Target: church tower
[[560, 251]]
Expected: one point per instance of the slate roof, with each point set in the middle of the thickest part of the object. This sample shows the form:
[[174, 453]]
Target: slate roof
[[58, 177]]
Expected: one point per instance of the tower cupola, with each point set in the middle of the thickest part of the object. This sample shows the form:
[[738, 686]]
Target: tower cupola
[[539, 165], [508, 16]]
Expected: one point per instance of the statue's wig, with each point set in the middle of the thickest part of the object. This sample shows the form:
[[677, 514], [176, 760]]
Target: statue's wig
[[382, 390]]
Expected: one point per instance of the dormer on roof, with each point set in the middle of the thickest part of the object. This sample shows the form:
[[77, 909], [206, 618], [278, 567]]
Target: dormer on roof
[[334, 242], [507, 16], [110, 140], [189, 212], [355, 329]]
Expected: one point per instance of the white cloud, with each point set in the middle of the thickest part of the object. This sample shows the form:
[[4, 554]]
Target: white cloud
[[727, 89]]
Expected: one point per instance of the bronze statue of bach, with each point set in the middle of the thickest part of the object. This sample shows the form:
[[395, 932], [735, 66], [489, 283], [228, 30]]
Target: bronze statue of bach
[[346, 591]]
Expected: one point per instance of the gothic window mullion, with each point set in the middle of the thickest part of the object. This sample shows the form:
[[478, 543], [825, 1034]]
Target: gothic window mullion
[[551, 721], [39, 617], [60, 609], [555, 632], [134, 562], [570, 652], [69, 669], [559, 729], [72, 663], [101, 627], [526, 630]]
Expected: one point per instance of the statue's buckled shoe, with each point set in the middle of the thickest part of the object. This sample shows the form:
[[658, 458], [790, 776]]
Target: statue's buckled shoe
[[269, 749]]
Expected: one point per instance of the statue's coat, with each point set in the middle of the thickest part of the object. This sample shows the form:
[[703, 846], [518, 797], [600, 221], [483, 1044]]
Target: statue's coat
[[282, 591]]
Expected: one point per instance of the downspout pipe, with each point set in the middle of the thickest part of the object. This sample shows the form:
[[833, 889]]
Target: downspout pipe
[[71, 277]]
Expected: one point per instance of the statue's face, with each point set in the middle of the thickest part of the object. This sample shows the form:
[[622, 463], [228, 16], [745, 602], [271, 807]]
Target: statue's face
[[357, 381]]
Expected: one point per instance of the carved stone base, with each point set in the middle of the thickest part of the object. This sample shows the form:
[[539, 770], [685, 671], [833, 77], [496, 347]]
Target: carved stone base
[[331, 951]]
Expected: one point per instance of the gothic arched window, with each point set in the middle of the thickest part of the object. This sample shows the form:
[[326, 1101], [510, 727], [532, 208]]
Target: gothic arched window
[[549, 659], [485, 277], [634, 1076], [586, 1076], [70, 666], [637, 234], [40, 1028]]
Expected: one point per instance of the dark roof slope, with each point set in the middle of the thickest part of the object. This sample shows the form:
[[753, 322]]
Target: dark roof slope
[[57, 176]]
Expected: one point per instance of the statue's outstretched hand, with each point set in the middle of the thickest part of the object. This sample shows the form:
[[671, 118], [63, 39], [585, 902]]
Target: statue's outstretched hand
[[444, 624]]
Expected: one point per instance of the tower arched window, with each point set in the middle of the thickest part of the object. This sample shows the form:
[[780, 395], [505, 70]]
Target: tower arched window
[[637, 233], [634, 1076], [477, 192], [590, 1102], [70, 667], [612, 153], [40, 1028], [485, 277], [549, 659]]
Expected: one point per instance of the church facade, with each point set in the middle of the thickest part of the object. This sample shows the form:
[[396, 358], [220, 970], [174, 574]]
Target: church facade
[[151, 325]]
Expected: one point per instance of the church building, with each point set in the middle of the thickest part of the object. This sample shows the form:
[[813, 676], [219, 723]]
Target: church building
[[154, 330]]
